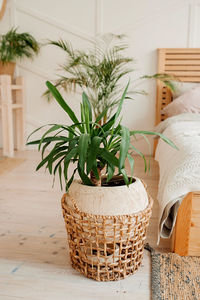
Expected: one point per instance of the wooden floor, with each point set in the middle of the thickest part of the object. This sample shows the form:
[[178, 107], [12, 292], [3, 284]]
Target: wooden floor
[[34, 260]]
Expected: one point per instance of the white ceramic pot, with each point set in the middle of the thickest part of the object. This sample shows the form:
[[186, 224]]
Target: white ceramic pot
[[106, 200]]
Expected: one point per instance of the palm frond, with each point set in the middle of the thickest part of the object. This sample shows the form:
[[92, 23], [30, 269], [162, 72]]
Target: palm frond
[[100, 72], [14, 45], [97, 71]]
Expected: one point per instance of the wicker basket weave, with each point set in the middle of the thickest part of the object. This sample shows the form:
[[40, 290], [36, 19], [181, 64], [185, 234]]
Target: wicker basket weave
[[105, 248]]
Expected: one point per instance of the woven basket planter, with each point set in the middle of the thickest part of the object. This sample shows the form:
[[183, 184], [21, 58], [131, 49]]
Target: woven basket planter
[[105, 248]]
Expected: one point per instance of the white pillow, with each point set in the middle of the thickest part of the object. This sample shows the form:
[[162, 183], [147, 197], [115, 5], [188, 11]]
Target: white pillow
[[181, 87], [188, 102]]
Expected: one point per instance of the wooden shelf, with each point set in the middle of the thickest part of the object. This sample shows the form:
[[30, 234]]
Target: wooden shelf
[[8, 108], [15, 106], [16, 87]]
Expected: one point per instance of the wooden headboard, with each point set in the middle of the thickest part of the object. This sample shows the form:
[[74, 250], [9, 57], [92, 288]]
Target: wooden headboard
[[181, 62]]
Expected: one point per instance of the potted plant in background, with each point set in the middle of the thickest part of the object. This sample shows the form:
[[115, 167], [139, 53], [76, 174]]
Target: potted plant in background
[[106, 216], [100, 72], [14, 46]]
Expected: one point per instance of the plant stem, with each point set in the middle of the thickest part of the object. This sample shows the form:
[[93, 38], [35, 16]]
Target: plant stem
[[105, 119], [95, 181]]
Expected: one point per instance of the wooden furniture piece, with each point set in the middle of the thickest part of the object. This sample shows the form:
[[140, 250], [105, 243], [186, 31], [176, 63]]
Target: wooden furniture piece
[[185, 240], [2, 8], [185, 64], [12, 101]]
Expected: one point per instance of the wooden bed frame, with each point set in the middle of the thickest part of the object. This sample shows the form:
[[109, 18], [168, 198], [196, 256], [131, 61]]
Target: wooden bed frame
[[185, 64]]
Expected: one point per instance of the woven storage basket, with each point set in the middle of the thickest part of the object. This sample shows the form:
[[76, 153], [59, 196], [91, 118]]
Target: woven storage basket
[[105, 248]]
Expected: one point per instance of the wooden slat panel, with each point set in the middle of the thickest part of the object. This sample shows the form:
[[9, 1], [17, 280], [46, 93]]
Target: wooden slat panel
[[183, 62], [187, 73], [175, 68], [189, 79], [185, 56], [181, 50], [16, 87]]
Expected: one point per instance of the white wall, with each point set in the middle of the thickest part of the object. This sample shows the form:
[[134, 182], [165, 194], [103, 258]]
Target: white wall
[[150, 24]]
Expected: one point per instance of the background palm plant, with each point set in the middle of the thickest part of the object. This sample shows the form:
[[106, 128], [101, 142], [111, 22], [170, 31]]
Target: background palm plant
[[100, 72], [91, 146], [14, 45]]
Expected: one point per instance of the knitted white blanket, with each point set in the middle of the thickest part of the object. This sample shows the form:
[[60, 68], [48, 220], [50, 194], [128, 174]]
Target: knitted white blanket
[[179, 169]]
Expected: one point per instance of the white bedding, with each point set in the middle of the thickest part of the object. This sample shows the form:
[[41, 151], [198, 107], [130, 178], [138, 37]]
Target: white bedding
[[179, 169]]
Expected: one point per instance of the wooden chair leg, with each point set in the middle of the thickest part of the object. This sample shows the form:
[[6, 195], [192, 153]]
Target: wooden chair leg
[[7, 116], [20, 117]]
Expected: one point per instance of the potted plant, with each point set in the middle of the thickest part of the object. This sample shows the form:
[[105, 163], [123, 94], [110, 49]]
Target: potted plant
[[100, 72], [106, 216], [14, 46]]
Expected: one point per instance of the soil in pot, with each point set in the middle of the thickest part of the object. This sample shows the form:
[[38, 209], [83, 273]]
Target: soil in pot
[[115, 181]]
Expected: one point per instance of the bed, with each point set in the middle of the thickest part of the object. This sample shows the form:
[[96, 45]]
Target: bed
[[185, 64]]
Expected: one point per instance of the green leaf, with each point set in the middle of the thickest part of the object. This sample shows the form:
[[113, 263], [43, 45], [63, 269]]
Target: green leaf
[[60, 176], [87, 104], [123, 172], [101, 115], [111, 170], [70, 180], [82, 149], [49, 139], [50, 156], [43, 162], [83, 119], [53, 128], [58, 153], [109, 124], [142, 155], [87, 122], [170, 85], [62, 103], [36, 131], [85, 116], [57, 165], [109, 157], [121, 103], [95, 170], [131, 162], [149, 146], [84, 177], [114, 134], [69, 155], [124, 146], [163, 137], [43, 149], [92, 152]]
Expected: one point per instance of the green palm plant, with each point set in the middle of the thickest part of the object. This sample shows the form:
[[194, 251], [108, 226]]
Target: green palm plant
[[90, 146], [100, 72], [14, 45]]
